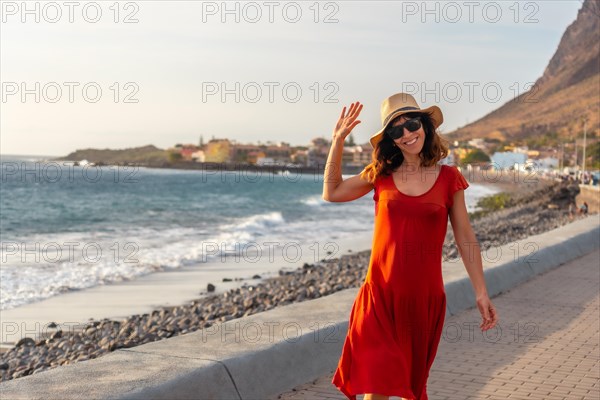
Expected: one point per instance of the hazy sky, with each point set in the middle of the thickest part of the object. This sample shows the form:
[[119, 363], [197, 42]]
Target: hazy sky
[[291, 65]]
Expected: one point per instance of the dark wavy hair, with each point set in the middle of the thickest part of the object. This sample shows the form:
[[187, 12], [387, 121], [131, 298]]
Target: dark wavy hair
[[386, 157]]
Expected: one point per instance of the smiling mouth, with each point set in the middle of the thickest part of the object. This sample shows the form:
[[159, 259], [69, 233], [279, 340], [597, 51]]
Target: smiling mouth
[[412, 141]]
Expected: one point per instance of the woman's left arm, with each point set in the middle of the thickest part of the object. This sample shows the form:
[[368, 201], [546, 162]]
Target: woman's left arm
[[470, 252]]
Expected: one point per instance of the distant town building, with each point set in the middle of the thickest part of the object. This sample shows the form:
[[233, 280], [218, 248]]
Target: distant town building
[[218, 151], [245, 152], [280, 153], [187, 150], [266, 161], [199, 156], [478, 143], [508, 159], [318, 150], [517, 149], [300, 157], [357, 156], [254, 156]]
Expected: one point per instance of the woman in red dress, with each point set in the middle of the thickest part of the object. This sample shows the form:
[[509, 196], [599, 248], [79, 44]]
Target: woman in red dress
[[397, 317]]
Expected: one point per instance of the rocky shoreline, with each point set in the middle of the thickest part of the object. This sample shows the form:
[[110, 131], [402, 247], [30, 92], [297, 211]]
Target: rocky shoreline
[[530, 210]]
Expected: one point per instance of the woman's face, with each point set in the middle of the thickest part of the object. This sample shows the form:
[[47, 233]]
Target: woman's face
[[410, 142]]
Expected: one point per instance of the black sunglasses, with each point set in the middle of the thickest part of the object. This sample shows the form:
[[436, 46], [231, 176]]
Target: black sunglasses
[[396, 132]]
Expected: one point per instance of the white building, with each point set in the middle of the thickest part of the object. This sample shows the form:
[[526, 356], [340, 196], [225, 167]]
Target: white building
[[478, 143], [265, 161], [199, 156]]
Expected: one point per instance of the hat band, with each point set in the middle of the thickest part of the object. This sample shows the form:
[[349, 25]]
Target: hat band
[[395, 111]]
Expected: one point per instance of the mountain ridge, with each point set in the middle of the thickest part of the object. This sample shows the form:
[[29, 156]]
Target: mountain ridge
[[567, 91]]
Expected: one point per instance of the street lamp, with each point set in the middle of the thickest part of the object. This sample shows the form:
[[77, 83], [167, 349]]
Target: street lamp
[[584, 139]]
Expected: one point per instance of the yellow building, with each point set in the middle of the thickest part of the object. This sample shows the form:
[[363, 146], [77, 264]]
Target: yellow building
[[218, 150]]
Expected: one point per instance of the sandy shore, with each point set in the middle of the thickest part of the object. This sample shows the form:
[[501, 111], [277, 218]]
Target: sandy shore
[[73, 310]]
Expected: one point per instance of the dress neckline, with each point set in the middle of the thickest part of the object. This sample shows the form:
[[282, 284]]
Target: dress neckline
[[423, 194]]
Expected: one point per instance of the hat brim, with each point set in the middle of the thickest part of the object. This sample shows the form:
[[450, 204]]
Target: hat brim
[[434, 112]]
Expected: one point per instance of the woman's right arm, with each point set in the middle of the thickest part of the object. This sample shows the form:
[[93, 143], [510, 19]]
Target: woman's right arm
[[335, 188]]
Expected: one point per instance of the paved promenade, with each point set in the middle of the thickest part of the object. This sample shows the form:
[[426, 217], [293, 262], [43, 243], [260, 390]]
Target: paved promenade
[[547, 345]]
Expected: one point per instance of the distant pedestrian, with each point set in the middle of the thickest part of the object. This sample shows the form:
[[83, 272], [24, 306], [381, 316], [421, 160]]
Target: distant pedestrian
[[571, 210]]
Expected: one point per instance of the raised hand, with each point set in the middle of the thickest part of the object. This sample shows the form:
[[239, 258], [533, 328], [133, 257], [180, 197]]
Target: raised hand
[[347, 122]]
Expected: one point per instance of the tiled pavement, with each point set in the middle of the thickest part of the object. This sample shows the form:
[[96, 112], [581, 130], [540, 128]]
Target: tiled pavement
[[547, 345]]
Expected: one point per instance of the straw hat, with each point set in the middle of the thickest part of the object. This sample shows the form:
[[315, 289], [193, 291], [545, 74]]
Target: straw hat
[[402, 103]]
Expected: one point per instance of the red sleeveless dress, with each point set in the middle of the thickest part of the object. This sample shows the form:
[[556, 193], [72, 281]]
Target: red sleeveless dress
[[397, 317]]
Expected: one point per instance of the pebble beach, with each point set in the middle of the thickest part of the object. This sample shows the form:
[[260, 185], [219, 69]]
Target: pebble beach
[[531, 209]]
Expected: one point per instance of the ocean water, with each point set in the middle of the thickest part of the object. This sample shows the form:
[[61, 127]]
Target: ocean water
[[67, 228]]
